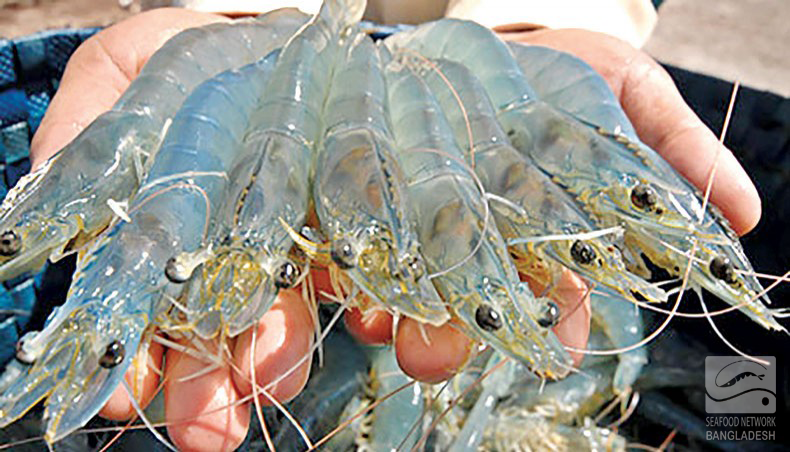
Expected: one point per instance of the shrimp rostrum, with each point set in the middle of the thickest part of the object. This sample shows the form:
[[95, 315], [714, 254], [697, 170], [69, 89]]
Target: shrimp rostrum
[[72, 197], [82, 353]]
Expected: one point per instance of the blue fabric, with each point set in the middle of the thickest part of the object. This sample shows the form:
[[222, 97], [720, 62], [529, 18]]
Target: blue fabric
[[30, 68]]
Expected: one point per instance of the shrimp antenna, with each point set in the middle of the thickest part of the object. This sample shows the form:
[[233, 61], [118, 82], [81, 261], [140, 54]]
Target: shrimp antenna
[[456, 401], [144, 418], [256, 400], [721, 336]]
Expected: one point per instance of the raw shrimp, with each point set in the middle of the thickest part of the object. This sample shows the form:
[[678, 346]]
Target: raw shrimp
[[247, 262], [622, 324], [533, 432], [360, 192], [534, 206], [72, 197], [80, 357], [618, 181], [392, 419], [472, 268]]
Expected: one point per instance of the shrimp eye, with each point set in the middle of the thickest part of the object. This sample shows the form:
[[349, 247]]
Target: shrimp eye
[[10, 243], [113, 355], [176, 271], [550, 316], [286, 275], [415, 266], [22, 356], [343, 254], [722, 268], [582, 252], [488, 318], [643, 196]]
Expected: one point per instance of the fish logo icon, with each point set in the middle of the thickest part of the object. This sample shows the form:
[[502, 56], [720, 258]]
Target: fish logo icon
[[734, 384]]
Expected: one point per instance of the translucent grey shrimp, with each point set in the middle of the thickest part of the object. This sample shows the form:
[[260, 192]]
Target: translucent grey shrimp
[[360, 192], [81, 356], [620, 182], [247, 262], [482, 287], [534, 206], [69, 200], [572, 398], [393, 418], [622, 324], [533, 432]]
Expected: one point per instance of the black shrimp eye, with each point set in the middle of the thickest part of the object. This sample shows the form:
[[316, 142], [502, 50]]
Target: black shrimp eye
[[551, 315], [582, 252], [488, 318], [113, 355], [415, 267], [10, 243], [343, 254], [643, 196], [286, 275], [21, 355], [722, 268], [175, 271]]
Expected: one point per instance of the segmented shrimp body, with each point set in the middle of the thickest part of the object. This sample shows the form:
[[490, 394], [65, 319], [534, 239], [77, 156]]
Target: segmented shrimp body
[[69, 199], [530, 205], [615, 178], [360, 192], [479, 282], [247, 262], [81, 356]]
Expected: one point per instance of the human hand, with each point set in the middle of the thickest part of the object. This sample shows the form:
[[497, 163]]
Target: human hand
[[661, 117]]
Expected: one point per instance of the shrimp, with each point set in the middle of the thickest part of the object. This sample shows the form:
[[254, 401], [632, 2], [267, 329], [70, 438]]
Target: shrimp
[[80, 357], [472, 269], [618, 181], [246, 262], [392, 418], [622, 324], [71, 198], [535, 206], [360, 192], [530, 431]]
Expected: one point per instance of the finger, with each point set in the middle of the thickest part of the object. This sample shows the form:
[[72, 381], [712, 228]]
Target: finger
[[203, 412], [284, 337], [373, 327], [322, 284], [572, 297], [143, 377], [101, 69], [429, 353], [663, 120]]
